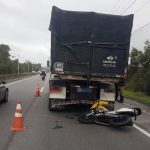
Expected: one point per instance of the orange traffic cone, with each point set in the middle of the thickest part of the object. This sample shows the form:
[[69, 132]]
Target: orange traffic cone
[[37, 92], [18, 119]]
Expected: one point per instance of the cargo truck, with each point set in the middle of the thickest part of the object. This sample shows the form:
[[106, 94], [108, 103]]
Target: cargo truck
[[89, 53]]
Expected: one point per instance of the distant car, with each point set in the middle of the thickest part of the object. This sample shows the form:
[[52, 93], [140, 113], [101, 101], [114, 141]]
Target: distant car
[[3, 92]]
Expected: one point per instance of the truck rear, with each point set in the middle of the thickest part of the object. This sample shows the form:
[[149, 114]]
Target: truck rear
[[89, 53]]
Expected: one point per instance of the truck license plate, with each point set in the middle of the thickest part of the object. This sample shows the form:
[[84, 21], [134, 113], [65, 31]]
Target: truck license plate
[[84, 90]]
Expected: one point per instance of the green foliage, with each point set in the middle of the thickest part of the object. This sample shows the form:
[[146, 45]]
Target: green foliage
[[138, 78], [4, 58], [8, 66], [137, 96]]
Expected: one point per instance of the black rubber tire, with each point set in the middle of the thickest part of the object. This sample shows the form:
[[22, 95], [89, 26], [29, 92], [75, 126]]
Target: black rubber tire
[[84, 119], [121, 121], [5, 100]]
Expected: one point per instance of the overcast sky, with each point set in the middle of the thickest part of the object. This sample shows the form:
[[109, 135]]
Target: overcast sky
[[24, 23]]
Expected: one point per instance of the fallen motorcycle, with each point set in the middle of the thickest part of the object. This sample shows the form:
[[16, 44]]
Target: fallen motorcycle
[[100, 114]]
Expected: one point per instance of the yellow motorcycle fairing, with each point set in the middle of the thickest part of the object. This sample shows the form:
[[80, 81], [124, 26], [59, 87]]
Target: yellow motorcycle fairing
[[101, 104]]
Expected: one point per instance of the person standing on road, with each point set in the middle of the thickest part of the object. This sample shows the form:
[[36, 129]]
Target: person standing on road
[[119, 86], [116, 91]]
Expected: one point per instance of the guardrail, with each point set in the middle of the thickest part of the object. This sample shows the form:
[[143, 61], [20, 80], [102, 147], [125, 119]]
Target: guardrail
[[15, 76]]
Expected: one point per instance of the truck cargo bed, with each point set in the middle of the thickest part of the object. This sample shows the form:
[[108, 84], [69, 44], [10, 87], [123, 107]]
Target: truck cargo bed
[[89, 44]]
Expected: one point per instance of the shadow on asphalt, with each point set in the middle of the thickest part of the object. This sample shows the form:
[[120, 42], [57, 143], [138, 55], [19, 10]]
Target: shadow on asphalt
[[73, 111]]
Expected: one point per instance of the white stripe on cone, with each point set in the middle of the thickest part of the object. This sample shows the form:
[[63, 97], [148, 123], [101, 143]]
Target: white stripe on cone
[[18, 115], [18, 107]]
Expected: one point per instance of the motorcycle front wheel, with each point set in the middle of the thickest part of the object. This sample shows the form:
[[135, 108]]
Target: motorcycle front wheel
[[121, 121], [85, 118]]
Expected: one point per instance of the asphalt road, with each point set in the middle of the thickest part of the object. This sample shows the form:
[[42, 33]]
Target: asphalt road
[[41, 125]]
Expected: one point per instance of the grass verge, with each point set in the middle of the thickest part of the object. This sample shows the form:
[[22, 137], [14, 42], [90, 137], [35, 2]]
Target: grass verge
[[137, 96]]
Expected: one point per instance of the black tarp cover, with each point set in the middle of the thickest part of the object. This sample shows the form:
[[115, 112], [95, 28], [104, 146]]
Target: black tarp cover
[[90, 26], [110, 32]]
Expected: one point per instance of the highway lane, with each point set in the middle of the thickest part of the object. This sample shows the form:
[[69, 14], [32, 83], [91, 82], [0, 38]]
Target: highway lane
[[42, 134], [21, 90]]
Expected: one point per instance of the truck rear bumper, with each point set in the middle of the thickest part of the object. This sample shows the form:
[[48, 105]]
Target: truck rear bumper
[[71, 102], [59, 103]]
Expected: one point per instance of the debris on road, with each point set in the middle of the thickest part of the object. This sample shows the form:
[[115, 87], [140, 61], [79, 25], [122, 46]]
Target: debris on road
[[58, 125]]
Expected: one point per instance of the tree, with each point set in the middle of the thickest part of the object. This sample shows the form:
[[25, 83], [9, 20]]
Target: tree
[[4, 59], [139, 69]]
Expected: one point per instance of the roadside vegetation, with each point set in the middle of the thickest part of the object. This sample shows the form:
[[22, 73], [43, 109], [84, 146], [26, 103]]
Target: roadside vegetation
[[137, 96], [138, 77], [10, 66]]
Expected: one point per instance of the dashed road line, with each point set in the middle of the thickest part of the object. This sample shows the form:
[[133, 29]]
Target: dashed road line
[[43, 85], [41, 89]]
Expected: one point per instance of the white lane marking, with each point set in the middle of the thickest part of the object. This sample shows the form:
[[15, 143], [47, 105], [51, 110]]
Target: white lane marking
[[43, 85], [20, 80], [141, 130], [128, 105], [144, 111], [41, 89], [137, 127]]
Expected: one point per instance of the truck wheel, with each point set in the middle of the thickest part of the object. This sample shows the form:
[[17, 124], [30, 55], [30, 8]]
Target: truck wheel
[[5, 100], [50, 106]]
